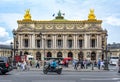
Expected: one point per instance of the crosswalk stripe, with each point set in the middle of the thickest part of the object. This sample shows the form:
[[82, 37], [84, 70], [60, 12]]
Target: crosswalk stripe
[[100, 78], [5, 81]]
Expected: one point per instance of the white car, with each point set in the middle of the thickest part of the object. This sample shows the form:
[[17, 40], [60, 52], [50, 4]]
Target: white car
[[113, 60]]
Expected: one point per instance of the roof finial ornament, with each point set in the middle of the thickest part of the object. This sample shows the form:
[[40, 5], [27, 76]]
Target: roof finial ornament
[[91, 15], [59, 13], [27, 15]]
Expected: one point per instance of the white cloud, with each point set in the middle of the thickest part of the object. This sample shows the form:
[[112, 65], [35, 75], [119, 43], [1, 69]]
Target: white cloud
[[113, 21], [7, 42], [3, 32], [4, 36], [10, 19]]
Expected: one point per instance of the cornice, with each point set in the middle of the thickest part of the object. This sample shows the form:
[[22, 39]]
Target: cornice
[[58, 21]]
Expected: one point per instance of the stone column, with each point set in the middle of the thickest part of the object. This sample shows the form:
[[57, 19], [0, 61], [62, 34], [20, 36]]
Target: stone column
[[55, 41], [65, 44], [43, 42], [33, 41], [97, 42], [86, 41], [63, 41], [74, 41], [19, 41], [22, 43], [89, 41], [100, 42], [29, 41]]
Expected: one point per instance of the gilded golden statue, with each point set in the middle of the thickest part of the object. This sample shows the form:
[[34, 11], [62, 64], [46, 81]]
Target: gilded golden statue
[[92, 11], [91, 15], [27, 15]]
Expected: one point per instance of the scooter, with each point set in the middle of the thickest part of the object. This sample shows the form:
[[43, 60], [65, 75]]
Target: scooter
[[48, 68]]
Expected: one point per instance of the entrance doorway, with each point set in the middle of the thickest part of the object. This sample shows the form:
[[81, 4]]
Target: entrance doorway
[[59, 54], [49, 54], [93, 56], [38, 56], [80, 56], [70, 54]]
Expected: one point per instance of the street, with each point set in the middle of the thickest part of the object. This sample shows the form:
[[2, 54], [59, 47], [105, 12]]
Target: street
[[38, 76]]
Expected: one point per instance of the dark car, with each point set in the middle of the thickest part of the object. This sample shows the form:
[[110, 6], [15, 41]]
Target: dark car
[[4, 65]]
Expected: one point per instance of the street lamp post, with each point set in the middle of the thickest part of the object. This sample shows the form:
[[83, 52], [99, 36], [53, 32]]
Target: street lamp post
[[11, 45], [106, 58], [14, 61], [15, 47], [11, 49], [43, 49]]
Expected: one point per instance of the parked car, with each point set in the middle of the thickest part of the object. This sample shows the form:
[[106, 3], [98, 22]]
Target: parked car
[[113, 60], [5, 66]]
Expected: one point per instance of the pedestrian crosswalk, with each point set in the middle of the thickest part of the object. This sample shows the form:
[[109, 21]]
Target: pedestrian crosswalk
[[5, 80], [53, 81], [101, 79]]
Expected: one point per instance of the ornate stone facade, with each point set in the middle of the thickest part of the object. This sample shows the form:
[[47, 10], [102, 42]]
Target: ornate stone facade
[[80, 39]]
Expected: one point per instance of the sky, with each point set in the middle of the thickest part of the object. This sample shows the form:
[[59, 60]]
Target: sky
[[106, 10]]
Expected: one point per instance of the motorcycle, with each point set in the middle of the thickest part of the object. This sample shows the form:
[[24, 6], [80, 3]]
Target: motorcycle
[[48, 68]]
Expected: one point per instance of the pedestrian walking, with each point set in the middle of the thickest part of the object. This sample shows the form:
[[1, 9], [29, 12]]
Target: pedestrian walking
[[37, 64], [75, 64], [19, 65], [99, 64], [85, 63], [30, 63], [102, 65]]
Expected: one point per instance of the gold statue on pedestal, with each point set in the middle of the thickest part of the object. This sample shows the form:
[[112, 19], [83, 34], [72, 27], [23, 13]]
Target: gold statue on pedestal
[[91, 15], [27, 15]]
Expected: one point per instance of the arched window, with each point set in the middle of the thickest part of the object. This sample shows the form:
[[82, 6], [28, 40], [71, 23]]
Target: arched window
[[25, 53], [38, 56], [59, 54], [80, 55], [70, 54], [49, 54], [93, 56]]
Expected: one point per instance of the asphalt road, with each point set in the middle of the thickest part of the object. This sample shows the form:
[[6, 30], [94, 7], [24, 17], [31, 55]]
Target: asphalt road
[[38, 76]]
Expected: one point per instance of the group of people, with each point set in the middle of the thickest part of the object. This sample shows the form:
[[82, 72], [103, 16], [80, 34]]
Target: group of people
[[25, 65], [83, 64], [100, 64], [22, 65]]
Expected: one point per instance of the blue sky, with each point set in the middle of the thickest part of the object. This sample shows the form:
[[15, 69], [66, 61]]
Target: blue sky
[[13, 10]]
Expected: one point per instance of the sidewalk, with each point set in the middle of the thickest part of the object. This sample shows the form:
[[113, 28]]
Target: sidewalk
[[71, 69]]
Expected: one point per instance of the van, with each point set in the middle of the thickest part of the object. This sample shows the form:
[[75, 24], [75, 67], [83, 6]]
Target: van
[[113, 60], [29, 57]]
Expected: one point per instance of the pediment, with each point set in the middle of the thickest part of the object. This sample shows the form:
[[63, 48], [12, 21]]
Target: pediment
[[94, 28], [25, 28]]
